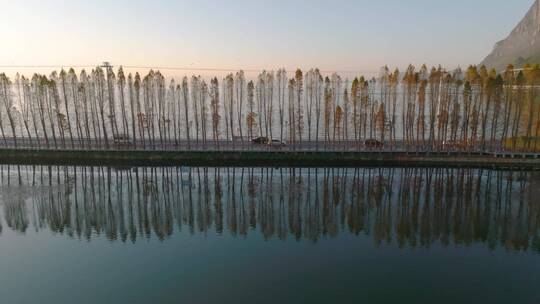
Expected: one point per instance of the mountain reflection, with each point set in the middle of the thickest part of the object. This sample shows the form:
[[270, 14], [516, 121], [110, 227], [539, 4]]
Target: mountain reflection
[[412, 207]]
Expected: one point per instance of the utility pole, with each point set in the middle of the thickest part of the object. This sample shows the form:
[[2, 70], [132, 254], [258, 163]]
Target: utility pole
[[106, 65]]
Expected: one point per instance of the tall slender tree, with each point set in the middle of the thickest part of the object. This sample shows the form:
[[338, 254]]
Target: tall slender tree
[[239, 84]]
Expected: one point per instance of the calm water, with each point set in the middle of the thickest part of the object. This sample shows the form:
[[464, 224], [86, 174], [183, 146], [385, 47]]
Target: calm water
[[267, 235]]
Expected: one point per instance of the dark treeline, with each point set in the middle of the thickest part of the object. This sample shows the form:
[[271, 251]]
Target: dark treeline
[[410, 207], [420, 108]]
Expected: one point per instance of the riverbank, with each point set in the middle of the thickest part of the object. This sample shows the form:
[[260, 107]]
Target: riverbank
[[271, 158]]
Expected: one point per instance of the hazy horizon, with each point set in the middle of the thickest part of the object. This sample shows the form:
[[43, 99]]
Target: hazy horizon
[[346, 36]]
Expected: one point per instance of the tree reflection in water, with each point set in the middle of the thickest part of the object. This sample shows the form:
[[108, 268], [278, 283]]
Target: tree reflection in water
[[413, 207]]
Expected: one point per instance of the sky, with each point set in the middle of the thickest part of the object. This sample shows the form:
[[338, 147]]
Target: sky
[[334, 35]]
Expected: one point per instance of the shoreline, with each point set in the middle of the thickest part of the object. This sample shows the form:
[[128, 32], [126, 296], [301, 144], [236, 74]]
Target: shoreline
[[271, 158]]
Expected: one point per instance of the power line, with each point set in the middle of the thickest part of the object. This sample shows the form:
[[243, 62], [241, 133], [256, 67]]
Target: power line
[[231, 70], [44, 66], [208, 69], [184, 68]]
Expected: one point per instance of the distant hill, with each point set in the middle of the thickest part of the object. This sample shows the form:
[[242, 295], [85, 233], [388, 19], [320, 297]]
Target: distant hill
[[521, 46]]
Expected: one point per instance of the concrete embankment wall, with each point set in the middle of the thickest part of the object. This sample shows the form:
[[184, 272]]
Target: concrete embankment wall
[[264, 158]]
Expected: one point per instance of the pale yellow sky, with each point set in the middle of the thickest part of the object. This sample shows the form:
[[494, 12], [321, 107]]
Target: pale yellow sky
[[341, 35]]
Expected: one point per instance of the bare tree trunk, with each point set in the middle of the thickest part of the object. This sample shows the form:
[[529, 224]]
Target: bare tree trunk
[[6, 98], [82, 90], [76, 106], [110, 80], [64, 93], [121, 94], [24, 104], [51, 87], [282, 85], [185, 94], [132, 110], [239, 85], [318, 107], [292, 116], [270, 104]]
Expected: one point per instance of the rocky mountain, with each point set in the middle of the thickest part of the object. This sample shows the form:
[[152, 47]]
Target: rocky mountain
[[521, 46]]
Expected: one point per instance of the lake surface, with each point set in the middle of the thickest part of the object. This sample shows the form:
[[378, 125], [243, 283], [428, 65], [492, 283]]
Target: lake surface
[[268, 235]]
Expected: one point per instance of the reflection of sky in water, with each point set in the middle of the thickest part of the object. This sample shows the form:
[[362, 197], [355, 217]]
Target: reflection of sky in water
[[266, 235]]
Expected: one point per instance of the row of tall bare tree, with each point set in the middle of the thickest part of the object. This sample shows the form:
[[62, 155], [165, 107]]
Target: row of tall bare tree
[[418, 108]]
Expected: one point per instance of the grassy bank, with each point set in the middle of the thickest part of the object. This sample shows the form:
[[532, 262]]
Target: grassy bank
[[267, 158]]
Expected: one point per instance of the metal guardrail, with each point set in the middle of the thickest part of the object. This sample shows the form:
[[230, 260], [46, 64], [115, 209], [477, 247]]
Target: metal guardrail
[[94, 145]]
